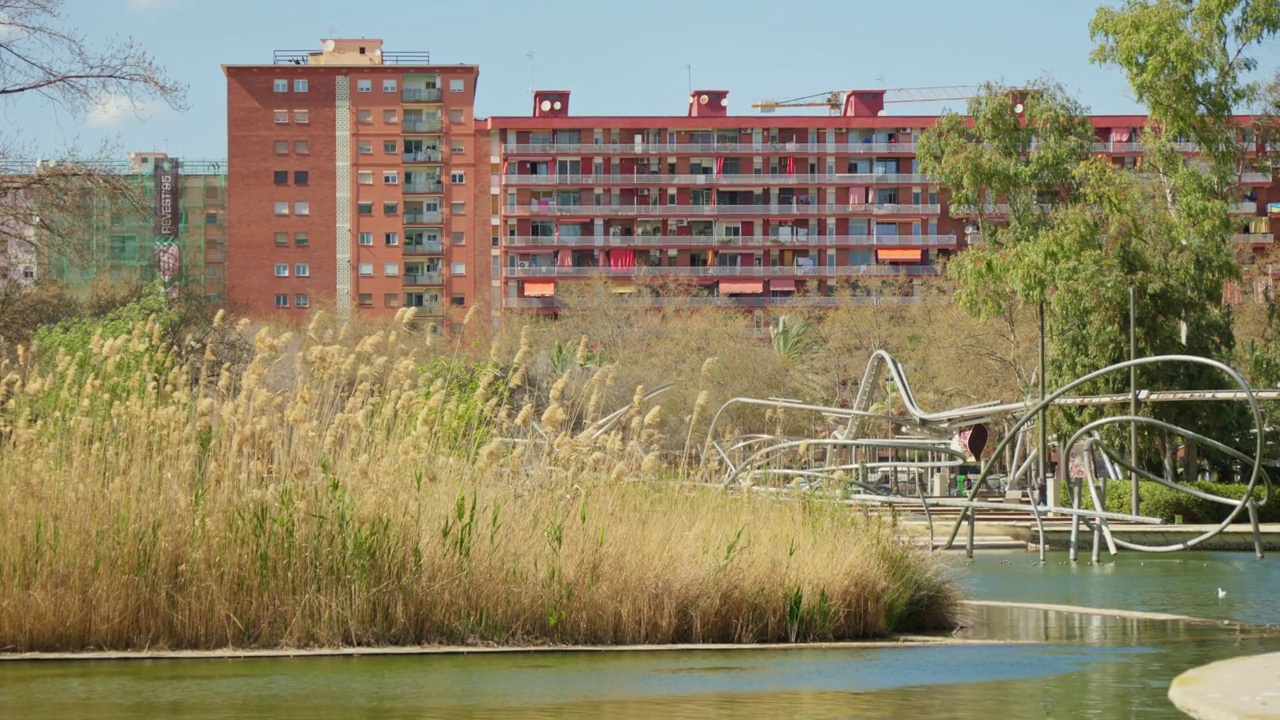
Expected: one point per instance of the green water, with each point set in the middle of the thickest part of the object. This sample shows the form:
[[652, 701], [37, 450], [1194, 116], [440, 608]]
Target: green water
[[1078, 666]]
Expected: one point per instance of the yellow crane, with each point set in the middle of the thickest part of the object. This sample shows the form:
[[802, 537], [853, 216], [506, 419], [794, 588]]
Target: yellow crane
[[834, 100]]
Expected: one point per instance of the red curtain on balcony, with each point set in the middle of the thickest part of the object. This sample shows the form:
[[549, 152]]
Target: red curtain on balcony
[[564, 258], [741, 287], [719, 165], [539, 288], [1119, 135], [902, 255], [622, 258], [791, 165]]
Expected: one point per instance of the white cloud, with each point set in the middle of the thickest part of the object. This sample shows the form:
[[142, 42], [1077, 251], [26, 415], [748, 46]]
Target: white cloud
[[142, 6], [118, 110]]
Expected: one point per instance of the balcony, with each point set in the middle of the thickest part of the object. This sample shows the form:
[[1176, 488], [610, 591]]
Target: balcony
[[731, 241], [763, 148], [1255, 178], [420, 217], [1243, 208], [428, 247], [1254, 238], [420, 126], [427, 310], [727, 271], [424, 278], [417, 156], [420, 188], [648, 179], [657, 211], [420, 95]]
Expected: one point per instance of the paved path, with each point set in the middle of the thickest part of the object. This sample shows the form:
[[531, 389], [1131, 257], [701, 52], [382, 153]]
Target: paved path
[[1235, 689]]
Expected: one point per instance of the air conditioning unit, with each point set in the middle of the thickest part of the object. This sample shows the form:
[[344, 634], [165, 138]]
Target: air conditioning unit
[[682, 223], [523, 264], [745, 131]]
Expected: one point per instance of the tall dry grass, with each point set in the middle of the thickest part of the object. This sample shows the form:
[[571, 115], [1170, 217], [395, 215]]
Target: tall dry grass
[[357, 489]]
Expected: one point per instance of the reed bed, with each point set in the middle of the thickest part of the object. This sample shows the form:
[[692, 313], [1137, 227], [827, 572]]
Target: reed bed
[[355, 491]]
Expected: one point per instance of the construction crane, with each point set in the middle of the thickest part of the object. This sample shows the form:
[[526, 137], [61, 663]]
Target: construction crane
[[834, 100]]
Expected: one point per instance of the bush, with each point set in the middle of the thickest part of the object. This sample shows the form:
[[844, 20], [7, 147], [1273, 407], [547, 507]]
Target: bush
[[1156, 500]]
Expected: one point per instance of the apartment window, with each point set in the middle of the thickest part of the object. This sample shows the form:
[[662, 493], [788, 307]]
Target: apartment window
[[211, 272], [280, 85], [301, 117], [365, 299], [495, 241], [301, 147], [389, 146], [458, 177], [364, 177], [391, 300], [300, 85], [391, 238], [302, 208], [366, 269], [364, 147], [391, 269], [281, 117], [458, 207], [282, 269], [455, 115], [211, 218], [458, 268], [457, 147], [365, 238], [364, 117], [459, 300], [281, 147], [388, 86], [301, 177], [389, 116], [457, 238], [302, 300], [390, 177], [390, 208], [456, 85], [364, 208], [282, 301], [282, 238], [281, 177], [282, 208], [301, 239], [302, 270], [364, 85]]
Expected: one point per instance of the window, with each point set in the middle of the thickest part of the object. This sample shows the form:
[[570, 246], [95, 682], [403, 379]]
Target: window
[[282, 177], [211, 218], [364, 117], [365, 238], [457, 238], [364, 147], [457, 177], [391, 269], [366, 269], [301, 147], [390, 208], [301, 177], [302, 270], [302, 300], [281, 147], [388, 86], [280, 85], [300, 85], [281, 117], [301, 117], [455, 115], [282, 208], [282, 238], [364, 85], [458, 207], [495, 241], [390, 177], [302, 208], [458, 300], [389, 116], [364, 208], [391, 300], [457, 147], [365, 299], [456, 85], [364, 177], [458, 268], [211, 272], [301, 239], [389, 146], [282, 269], [391, 238], [282, 301]]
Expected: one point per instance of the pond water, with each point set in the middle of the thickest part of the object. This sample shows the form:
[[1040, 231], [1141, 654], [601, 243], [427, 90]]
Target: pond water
[[1074, 666]]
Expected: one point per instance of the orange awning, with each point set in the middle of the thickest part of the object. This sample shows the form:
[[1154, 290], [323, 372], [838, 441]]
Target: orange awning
[[898, 254], [741, 287], [539, 288], [783, 285]]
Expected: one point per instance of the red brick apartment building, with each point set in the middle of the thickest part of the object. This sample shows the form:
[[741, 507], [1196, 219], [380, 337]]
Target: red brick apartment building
[[357, 180], [752, 210]]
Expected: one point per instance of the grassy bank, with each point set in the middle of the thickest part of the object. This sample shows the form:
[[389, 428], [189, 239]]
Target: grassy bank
[[337, 490]]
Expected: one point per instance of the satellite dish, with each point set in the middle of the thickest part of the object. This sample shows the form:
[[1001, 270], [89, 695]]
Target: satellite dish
[[557, 105], [724, 102], [329, 45], [545, 105], [1018, 108], [968, 229], [703, 99], [377, 53]]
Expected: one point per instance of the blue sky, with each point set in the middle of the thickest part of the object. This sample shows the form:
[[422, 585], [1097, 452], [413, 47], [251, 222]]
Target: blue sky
[[615, 60]]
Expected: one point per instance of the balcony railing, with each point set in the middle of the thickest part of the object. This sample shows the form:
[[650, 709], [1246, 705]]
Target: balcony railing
[[1254, 238], [732, 241], [427, 309], [420, 217], [423, 278], [429, 247], [779, 148], [543, 303], [421, 126], [538, 209], [423, 187], [420, 94], [1243, 208], [717, 271], [624, 179], [1255, 178], [422, 156]]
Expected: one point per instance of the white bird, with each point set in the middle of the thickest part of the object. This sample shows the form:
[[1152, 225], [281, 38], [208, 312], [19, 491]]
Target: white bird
[[1221, 593]]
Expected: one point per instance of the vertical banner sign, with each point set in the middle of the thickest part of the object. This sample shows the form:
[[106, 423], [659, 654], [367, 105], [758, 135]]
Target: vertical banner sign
[[168, 214]]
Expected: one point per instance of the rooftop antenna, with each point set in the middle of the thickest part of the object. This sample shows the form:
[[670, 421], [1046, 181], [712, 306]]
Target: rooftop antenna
[[688, 68], [532, 82], [333, 30], [880, 80]]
